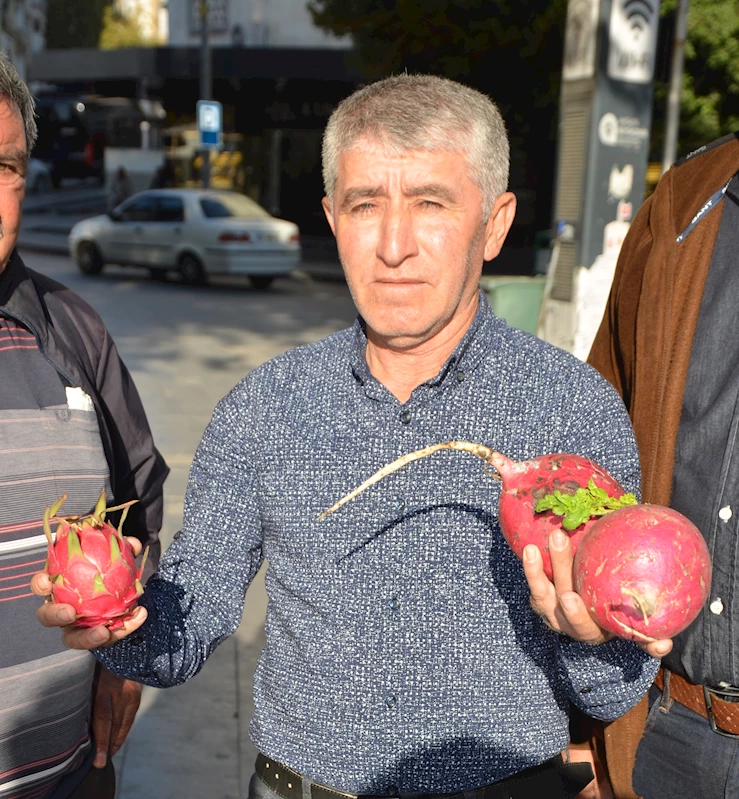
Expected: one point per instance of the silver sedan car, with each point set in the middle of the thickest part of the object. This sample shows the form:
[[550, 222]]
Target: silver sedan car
[[196, 232]]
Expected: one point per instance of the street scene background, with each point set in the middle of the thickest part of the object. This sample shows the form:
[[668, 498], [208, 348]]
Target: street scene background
[[593, 120]]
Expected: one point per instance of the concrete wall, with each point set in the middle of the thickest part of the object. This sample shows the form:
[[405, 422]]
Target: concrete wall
[[253, 23]]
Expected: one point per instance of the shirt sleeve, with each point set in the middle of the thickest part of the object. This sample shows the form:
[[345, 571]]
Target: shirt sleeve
[[604, 681], [195, 601]]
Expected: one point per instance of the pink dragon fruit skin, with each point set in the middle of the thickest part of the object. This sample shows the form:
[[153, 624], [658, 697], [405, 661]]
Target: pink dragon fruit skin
[[92, 566]]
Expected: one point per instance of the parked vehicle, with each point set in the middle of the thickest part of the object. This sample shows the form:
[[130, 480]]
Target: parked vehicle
[[75, 129], [196, 232]]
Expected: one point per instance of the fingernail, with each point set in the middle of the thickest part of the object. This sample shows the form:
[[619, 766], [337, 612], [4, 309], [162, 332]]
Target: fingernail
[[531, 553], [99, 635], [100, 760], [661, 649], [65, 615], [559, 540]]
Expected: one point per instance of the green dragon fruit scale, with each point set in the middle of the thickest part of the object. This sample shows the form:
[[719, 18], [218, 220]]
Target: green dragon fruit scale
[[92, 566]]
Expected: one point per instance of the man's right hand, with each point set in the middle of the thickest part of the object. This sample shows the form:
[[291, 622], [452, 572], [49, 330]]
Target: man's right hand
[[53, 614]]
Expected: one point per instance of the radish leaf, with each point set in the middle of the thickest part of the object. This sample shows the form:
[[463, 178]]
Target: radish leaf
[[575, 509]]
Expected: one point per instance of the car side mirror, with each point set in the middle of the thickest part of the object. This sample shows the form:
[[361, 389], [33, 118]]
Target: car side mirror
[[115, 215]]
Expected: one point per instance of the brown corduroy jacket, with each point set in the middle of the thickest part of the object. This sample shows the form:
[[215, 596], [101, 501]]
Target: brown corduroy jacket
[[644, 342]]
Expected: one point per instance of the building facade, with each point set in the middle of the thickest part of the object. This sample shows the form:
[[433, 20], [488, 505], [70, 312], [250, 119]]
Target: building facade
[[22, 31], [249, 23]]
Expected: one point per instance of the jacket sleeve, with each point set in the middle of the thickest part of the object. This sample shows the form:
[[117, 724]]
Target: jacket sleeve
[[138, 470], [196, 599]]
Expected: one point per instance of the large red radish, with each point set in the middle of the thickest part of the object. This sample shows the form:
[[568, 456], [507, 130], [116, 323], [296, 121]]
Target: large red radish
[[644, 572], [526, 484]]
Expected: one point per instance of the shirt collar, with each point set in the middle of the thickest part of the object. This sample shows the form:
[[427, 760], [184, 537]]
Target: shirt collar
[[466, 355]]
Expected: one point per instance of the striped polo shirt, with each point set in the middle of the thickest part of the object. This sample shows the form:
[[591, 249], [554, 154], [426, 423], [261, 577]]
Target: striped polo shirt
[[48, 445]]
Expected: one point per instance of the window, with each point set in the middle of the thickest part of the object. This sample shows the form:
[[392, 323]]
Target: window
[[170, 209], [219, 206], [141, 209]]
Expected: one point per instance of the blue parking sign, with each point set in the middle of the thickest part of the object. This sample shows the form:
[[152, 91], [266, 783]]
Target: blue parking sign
[[210, 123]]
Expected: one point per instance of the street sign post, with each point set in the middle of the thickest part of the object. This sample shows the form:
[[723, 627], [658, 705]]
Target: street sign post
[[210, 124]]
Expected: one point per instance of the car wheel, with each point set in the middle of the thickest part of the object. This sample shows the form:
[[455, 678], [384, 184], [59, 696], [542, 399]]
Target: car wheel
[[261, 282], [89, 260], [192, 271]]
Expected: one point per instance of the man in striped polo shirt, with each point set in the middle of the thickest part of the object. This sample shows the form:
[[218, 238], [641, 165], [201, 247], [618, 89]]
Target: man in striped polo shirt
[[70, 421]]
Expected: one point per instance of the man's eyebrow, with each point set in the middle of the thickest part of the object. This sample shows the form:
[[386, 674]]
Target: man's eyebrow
[[431, 190], [14, 155], [361, 193]]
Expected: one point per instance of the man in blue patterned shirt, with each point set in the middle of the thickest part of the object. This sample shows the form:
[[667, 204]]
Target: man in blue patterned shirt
[[406, 653]]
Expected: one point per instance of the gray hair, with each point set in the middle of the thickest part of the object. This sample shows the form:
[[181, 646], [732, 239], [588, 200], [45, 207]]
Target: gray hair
[[15, 92], [423, 112]]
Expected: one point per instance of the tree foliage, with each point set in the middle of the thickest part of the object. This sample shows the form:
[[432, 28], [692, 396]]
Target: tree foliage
[[120, 30], [509, 49], [74, 23], [710, 93]]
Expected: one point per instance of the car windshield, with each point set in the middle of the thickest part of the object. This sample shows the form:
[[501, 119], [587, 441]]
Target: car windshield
[[236, 205]]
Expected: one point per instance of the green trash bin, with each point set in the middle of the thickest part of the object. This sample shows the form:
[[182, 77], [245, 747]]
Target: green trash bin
[[516, 299]]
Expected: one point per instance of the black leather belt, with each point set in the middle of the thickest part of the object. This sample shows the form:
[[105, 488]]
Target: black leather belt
[[553, 779]]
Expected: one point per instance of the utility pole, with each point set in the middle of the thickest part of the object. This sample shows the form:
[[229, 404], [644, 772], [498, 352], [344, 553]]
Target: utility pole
[[205, 84], [676, 86]]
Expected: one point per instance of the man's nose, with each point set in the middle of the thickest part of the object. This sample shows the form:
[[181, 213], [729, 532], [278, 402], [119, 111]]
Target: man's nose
[[397, 240]]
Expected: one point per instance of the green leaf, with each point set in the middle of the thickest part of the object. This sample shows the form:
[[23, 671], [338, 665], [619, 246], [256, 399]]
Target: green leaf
[[583, 504]]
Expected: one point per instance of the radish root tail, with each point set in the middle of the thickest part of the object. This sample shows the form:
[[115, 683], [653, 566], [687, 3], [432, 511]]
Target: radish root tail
[[462, 446]]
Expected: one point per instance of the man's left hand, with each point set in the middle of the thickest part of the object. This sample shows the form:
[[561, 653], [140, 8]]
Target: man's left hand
[[559, 605], [114, 705]]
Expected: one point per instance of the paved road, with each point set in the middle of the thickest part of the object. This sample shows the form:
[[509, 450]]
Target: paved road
[[186, 348]]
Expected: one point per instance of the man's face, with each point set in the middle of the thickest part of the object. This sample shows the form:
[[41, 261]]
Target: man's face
[[411, 238], [13, 159]]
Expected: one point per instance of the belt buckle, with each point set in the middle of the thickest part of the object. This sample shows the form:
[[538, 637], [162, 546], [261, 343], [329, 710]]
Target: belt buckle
[[707, 692]]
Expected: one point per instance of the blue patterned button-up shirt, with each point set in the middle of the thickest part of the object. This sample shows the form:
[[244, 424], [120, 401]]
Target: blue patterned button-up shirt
[[401, 649]]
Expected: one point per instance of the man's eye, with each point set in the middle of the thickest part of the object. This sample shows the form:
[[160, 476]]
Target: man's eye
[[430, 204], [362, 208]]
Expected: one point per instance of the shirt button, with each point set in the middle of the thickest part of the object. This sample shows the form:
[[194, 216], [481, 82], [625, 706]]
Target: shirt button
[[725, 513], [393, 790], [460, 376], [177, 535], [405, 417], [391, 701], [394, 603], [136, 640], [717, 607], [399, 504], [586, 690]]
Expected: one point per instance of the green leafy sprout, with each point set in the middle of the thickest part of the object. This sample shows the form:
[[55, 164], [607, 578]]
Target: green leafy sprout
[[575, 509]]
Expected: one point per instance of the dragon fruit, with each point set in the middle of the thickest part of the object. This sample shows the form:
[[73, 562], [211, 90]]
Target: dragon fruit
[[92, 566]]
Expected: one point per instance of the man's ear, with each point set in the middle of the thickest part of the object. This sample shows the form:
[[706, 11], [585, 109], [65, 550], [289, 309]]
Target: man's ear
[[326, 203], [499, 223]]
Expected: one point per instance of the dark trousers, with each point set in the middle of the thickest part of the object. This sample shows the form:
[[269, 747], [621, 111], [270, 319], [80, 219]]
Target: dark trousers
[[98, 784], [681, 757]]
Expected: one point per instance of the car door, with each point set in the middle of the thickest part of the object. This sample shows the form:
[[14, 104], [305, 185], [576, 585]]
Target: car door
[[127, 232], [163, 235]]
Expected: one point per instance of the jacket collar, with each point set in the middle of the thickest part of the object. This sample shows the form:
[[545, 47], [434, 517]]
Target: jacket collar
[[19, 298], [466, 356]]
